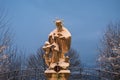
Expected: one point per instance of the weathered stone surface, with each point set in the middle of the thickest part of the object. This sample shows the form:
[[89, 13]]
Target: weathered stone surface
[[58, 44], [61, 75]]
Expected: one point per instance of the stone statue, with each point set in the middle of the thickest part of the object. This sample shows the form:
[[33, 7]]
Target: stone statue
[[58, 44]]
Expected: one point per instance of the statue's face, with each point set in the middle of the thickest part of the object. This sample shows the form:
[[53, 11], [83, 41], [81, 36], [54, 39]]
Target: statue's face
[[59, 25]]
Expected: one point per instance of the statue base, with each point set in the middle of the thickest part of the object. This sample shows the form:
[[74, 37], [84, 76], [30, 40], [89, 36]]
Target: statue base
[[61, 75]]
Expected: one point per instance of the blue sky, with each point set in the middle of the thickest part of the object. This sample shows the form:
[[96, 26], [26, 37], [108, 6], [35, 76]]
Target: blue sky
[[33, 20]]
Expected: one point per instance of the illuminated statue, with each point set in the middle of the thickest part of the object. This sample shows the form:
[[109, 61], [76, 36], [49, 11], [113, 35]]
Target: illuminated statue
[[58, 44]]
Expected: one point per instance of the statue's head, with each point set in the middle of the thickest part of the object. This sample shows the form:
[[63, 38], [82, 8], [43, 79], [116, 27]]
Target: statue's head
[[58, 24]]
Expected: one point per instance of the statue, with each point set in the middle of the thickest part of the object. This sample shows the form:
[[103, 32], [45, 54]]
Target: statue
[[58, 44]]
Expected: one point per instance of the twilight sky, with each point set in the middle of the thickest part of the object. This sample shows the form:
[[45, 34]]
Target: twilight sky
[[33, 20]]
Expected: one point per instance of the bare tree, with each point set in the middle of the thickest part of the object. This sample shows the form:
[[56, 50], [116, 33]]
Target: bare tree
[[109, 58], [10, 58], [37, 64], [5, 41], [36, 59], [76, 67]]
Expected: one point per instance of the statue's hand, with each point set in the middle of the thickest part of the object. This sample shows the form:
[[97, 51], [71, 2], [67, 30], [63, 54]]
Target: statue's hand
[[59, 34], [62, 37]]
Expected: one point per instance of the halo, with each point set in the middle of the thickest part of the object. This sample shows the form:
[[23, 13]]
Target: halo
[[58, 20]]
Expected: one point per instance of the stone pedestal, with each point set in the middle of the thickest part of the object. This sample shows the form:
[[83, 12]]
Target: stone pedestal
[[61, 75]]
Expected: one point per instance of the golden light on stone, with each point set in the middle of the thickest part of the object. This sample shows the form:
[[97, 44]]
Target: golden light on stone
[[58, 44]]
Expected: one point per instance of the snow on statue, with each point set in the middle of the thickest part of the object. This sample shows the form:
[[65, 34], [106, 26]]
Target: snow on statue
[[58, 44]]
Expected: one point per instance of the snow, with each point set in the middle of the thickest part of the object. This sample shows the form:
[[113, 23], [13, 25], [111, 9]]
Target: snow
[[2, 48], [56, 46], [47, 45], [111, 58], [4, 56], [102, 58], [64, 33]]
